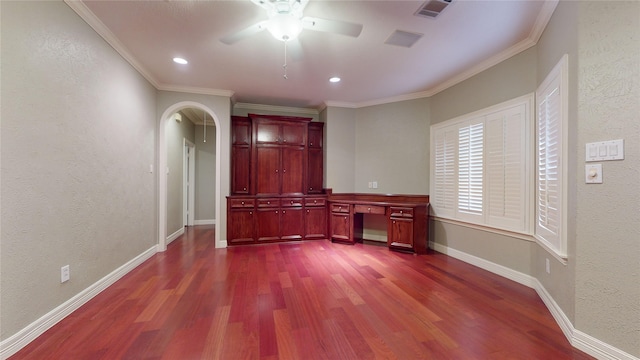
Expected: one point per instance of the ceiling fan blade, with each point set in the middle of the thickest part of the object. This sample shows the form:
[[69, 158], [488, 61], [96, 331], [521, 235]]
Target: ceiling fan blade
[[262, 3], [332, 26], [244, 33]]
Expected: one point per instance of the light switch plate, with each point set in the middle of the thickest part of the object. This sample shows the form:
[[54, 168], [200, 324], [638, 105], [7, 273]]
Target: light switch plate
[[605, 150], [593, 173]]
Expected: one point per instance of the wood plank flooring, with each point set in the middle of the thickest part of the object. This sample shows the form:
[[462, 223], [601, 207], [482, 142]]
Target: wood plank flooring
[[305, 300]]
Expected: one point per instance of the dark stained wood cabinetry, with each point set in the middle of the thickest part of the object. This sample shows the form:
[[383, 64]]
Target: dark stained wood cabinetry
[[407, 217], [275, 165], [240, 155], [316, 158]]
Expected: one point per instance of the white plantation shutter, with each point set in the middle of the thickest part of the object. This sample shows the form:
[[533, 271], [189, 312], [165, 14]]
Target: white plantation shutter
[[443, 196], [551, 121], [470, 168], [481, 164], [506, 168]]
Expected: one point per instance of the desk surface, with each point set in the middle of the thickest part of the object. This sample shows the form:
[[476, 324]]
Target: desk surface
[[379, 199]]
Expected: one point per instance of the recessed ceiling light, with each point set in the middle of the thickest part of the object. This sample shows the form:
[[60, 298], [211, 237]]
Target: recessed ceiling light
[[334, 79], [180, 61]]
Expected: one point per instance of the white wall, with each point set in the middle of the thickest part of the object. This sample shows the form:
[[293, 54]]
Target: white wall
[[340, 148], [78, 138]]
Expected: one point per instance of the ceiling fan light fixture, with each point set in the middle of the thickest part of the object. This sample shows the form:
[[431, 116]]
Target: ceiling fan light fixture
[[285, 26]]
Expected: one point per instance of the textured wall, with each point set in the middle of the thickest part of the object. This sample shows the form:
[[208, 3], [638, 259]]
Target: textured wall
[[340, 147], [78, 137], [608, 215], [511, 78], [392, 147], [176, 132], [561, 37]]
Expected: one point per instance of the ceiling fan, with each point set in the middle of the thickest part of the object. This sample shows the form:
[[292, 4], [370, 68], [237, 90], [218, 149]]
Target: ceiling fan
[[286, 21]]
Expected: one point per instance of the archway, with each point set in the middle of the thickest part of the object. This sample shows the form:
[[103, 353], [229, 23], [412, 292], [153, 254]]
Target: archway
[[162, 166]]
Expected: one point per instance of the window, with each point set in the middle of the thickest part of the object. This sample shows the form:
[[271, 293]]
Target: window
[[481, 164], [551, 129]]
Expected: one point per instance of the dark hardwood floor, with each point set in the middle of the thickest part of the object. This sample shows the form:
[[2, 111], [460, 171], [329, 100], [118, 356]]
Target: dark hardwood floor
[[305, 300]]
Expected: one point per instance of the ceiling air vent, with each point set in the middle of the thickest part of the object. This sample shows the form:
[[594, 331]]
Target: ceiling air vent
[[432, 8], [403, 38]]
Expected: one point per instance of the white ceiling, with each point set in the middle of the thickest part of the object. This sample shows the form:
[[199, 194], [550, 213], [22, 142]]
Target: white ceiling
[[466, 38]]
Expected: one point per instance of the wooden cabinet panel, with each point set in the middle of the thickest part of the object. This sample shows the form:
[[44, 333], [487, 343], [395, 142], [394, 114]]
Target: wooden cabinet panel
[[240, 174], [268, 224], [267, 132], [340, 226], [292, 223], [316, 135], [267, 170], [294, 134], [240, 226], [315, 172], [292, 170], [240, 131], [400, 233], [316, 222]]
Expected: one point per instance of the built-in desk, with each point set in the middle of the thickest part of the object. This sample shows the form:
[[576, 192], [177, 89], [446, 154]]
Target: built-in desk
[[407, 218]]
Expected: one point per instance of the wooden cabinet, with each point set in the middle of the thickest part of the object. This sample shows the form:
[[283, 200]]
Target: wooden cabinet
[[316, 158], [240, 220], [315, 218], [407, 228], [274, 163], [292, 219], [280, 156], [240, 155], [342, 223]]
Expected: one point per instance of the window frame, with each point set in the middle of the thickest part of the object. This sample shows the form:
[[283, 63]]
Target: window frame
[[441, 209]]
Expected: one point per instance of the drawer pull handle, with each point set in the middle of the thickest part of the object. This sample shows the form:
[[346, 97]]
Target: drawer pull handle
[[244, 189], [242, 203], [250, 212]]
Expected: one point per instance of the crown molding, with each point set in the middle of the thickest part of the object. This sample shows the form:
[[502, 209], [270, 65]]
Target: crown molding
[[196, 90], [285, 109], [98, 26]]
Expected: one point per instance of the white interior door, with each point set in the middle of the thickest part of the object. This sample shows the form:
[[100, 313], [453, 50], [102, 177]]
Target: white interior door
[[189, 188]]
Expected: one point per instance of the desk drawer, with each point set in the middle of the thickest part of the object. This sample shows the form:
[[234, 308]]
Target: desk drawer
[[242, 203], [291, 202], [315, 202], [268, 203], [340, 208], [406, 212], [369, 209]]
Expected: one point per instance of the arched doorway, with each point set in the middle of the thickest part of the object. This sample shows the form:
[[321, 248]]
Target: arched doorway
[[162, 166]]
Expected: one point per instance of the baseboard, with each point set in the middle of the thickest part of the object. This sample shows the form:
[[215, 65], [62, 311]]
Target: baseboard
[[577, 339], [204, 222], [23, 337], [503, 271], [175, 235]]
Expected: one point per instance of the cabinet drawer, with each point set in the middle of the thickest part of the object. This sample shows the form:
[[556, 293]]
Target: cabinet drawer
[[340, 208], [315, 202], [406, 212], [291, 202], [266, 203], [369, 209], [242, 203]]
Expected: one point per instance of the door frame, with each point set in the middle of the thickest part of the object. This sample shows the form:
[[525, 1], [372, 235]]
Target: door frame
[[188, 182], [162, 171]]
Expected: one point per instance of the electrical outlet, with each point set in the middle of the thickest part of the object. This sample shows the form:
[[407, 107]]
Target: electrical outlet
[[374, 184], [64, 274], [548, 266]]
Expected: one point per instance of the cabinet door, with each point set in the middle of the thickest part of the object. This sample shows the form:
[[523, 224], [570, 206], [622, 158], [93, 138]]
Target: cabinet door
[[292, 223], [240, 226], [240, 165], [268, 224], [315, 171], [294, 134], [401, 233], [340, 225], [316, 223], [240, 131], [316, 135], [267, 170], [267, 132], [292, 170]]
